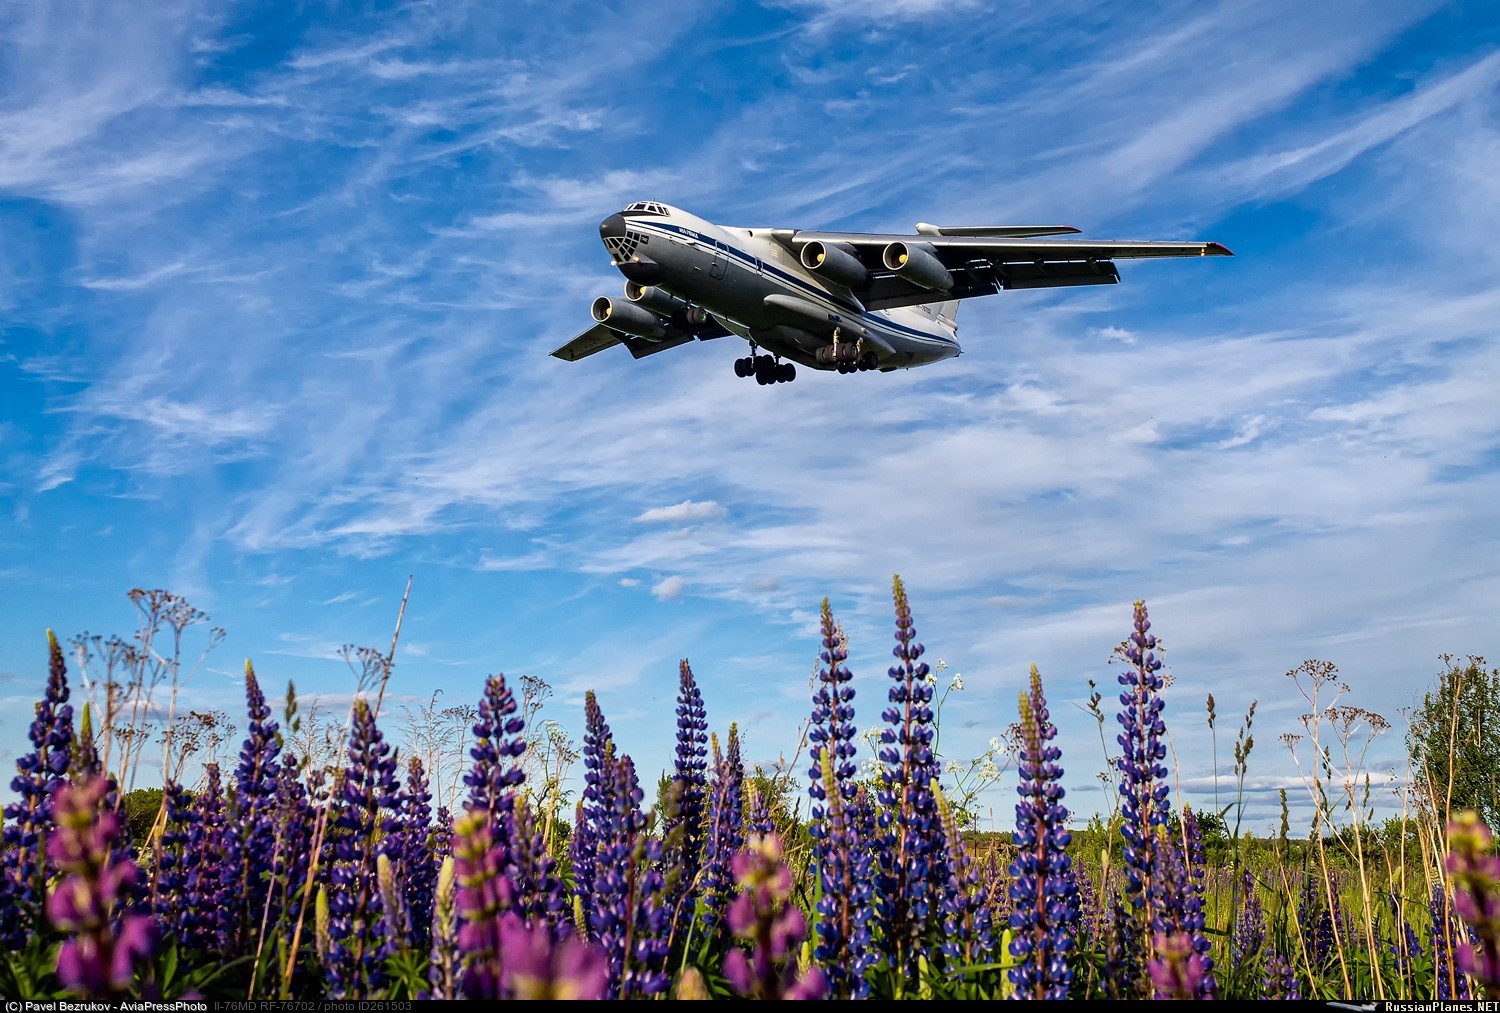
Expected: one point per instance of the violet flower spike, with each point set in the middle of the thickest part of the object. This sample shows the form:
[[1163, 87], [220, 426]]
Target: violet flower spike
[[92, 896], [762, 916], [29, 818], [1474, 869]]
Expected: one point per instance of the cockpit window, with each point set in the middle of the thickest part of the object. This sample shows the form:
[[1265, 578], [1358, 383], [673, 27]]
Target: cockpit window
[[648, 207]]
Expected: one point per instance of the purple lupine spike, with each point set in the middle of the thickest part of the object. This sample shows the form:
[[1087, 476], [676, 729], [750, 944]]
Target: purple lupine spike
[[410, 847], [92, 896], [762, 916], [1183, 896], [540, 896], [912, 853], [1447, 934], [1145, 807], [1404, 946], [355, 964], [726, 832], [595, 804], [483, 893], [541, 966], [251, 841], [682, 830], [628, 919], [1249, 923], [1475, 873], [171, 857], [442, 835], [840, 855], [1317, 919], [295, 821], [498, 745], [1176, 967], [23, 864], [206, 915], [1280, 980], [1044, 913], [968, 936]]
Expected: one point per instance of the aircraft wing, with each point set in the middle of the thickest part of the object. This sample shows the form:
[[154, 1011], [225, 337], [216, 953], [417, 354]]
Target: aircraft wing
[[595, 339], [984, 260]]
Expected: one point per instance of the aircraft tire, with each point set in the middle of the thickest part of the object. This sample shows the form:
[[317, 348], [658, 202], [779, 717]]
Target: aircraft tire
[[869, 361], [787, 373], [742, 367]]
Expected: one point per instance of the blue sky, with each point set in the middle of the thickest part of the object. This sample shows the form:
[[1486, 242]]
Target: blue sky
[[277, 288]]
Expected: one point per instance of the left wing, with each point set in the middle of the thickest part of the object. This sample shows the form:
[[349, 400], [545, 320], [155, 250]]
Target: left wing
[[595, 339], [940, 264]]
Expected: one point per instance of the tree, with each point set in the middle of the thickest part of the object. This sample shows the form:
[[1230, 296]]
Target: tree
[[1454, 741]]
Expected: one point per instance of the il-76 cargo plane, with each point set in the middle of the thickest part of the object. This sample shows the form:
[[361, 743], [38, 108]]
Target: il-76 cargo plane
[[843, 301]]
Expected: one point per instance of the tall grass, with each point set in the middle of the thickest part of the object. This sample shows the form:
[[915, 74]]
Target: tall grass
[[322, 860]]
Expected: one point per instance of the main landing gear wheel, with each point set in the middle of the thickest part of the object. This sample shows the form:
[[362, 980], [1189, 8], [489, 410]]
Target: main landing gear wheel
[[765, 369]]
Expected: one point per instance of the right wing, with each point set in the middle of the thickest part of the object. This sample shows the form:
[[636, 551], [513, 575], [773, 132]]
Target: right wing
[[982, 260], [595, 339]]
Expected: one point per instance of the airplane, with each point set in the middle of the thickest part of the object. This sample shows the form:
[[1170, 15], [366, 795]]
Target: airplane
[[844, 301]]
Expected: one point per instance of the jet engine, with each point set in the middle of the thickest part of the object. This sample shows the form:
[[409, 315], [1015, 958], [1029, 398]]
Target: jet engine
[[835, 263], [918, 264], [654, 299], [629, 318]]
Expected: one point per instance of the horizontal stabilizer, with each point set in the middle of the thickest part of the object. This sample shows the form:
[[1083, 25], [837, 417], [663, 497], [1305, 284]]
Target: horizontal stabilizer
[[595, 339], [996, 231]]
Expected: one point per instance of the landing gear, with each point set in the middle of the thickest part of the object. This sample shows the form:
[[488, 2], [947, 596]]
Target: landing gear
[[848, 356], [765, 369]]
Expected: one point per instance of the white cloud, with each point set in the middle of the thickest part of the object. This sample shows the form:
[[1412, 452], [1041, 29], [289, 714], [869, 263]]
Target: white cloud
[[684, 512], [668, 588]]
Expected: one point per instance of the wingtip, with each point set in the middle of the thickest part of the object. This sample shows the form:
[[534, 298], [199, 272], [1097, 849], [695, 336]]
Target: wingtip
[[1216, 250]]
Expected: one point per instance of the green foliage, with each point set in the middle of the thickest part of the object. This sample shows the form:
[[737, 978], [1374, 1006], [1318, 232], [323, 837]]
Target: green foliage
[[1454, 741], [141, 807]]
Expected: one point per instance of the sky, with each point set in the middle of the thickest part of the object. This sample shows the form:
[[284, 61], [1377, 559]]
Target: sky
[[278, 285]]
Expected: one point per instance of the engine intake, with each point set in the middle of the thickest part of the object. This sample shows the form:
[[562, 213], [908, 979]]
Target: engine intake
[[629, 318], [836, 263], [918, 264]]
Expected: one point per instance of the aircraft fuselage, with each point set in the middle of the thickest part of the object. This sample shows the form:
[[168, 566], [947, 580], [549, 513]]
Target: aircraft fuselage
[[757, 288]]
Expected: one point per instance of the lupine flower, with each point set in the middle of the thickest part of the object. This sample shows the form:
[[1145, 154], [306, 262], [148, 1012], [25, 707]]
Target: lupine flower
[[1280, 981], [172, 854], [92, 896], [1475, 872], [627, 917], [1181, 907], [841, 857], [444, 971], [442, 835], [540, 896], [498, 745], [1447, 933], [1176, 968], [538, 966], [205, 912], [483, 893], [1249, 923], [726, 832], [1044, 915], [1404, 944], [967, 936], [761, 916], [682, 829], [598, 763], [251, 841], [1145, 808], [356, 958], [409, 845], [29, 818], [911, 850], [294, 839]]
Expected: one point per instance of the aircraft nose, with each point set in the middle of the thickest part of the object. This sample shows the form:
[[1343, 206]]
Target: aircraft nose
[[612, 227]]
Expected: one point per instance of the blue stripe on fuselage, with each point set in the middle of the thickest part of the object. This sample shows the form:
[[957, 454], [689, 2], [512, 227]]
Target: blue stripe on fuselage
[[697, 239]]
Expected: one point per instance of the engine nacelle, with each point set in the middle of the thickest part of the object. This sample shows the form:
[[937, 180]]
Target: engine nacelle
[[918, 264], [629, 318], [654, 299], [836, 263]]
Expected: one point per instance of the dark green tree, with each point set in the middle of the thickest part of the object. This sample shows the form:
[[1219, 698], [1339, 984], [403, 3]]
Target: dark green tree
[[1454, 740]]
